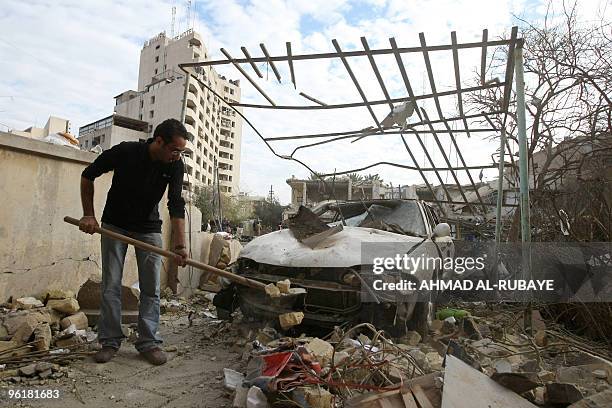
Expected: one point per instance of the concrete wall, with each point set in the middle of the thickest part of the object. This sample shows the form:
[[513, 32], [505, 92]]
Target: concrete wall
[[39, 185]]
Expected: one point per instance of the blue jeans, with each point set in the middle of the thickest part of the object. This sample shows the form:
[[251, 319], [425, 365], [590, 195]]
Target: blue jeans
[[149, 263]]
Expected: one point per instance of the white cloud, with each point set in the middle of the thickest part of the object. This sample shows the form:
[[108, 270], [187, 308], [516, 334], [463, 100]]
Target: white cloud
[[70, 58]]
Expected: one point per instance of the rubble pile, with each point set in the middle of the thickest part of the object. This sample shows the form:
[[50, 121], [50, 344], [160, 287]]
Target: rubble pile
[[40, 335], [489, 350]]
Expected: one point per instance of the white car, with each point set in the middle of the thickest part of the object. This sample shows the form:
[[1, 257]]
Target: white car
[[336, 269]]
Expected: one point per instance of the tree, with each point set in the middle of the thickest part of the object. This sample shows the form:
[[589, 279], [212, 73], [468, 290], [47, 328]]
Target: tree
[[316, 176], [373, 177], [270, 213], [568, 71], [355, 177], [231, 208]]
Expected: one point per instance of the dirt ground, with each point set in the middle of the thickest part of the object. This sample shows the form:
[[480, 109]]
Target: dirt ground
[[192, 377]]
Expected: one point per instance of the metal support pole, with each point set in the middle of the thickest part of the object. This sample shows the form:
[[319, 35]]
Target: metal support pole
[[522, 137], [524, 179], [500, 187]]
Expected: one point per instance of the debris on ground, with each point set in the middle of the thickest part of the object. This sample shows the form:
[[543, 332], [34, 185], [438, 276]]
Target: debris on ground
[[469, 351], [40, 336]]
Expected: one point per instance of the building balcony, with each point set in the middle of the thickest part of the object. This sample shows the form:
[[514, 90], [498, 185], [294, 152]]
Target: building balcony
[[192, 90], [192, 101]]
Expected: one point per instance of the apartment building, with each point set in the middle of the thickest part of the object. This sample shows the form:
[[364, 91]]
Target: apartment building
[[165, 91], [112, 130], [53, 125]]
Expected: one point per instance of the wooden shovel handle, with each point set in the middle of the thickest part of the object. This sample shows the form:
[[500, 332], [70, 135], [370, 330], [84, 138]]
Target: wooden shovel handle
[[168, 254]]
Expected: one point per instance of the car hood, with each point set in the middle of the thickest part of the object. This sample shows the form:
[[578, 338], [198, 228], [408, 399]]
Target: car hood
[[341, 250]]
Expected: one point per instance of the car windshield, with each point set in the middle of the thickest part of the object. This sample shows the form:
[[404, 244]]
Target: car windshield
[[403, 214]]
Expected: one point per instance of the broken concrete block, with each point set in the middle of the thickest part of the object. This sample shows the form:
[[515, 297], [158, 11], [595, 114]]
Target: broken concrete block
[[45, 374], [68, 306], [547, 376], [70, 341], [14, 320], [502, 366], [321, 350], [3, 332], [601, 374], [435, 361], [284, 285], [600, 400], [288, 320], [540, 338], [7, 345], [420, 358], [318, 397], [232, 379], [44, 366], [272, 290], [561, 393], [574, 375], [339, 357], [90, 293], [79, 320], [24, 332], [28, 303], [529, 366], [42, 336], [240, 397], [411, 338], [8, 373], [28, 370]]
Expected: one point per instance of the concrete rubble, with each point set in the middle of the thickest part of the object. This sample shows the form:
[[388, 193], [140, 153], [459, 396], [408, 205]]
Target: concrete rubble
[[40, 336], [359, 366]]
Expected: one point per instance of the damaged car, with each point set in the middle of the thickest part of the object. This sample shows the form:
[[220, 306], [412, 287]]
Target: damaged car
[[327, 253]]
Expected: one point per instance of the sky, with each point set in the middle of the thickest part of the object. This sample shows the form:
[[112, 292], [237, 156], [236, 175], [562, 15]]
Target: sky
[[69, 58]]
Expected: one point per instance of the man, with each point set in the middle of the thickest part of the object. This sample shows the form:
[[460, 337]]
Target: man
[[142, 171]]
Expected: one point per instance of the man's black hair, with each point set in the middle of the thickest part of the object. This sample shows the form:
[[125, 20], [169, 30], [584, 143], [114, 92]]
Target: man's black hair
[[170, 128]]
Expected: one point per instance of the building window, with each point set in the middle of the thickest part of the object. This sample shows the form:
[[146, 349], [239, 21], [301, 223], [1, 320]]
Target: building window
[[231, 91], [196, 56], [157, 47], [152, 100], [155, 71], [157, 58], [140, 116], [151, 113], [86, 143]]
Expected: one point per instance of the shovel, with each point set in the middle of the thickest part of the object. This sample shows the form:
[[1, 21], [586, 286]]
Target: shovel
[[168, 254]]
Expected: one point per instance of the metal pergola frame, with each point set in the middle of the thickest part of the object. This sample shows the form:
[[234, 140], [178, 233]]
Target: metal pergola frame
[[423, 127]]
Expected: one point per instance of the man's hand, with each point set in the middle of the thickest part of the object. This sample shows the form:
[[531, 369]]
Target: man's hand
[[181, 255], [88, 223]]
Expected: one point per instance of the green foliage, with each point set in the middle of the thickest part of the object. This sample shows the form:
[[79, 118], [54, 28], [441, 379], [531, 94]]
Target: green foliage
[[269, 212], [232, 209]]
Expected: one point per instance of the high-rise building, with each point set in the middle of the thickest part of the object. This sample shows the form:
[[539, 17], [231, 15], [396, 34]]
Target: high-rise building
[[165, 91]]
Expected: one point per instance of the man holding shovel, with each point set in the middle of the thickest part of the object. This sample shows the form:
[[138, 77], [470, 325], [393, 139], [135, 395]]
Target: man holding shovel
[[142, 171]]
